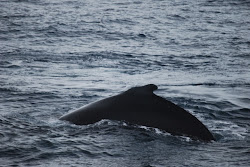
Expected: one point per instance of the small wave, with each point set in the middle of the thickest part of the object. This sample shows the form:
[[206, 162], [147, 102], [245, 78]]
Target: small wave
[[13, 66], [241, 116], [4, 63], [29, 94], [214, 84], [7, 64], [243, 55], [176, 17], [142, 35], [8, 89], [226, 130]]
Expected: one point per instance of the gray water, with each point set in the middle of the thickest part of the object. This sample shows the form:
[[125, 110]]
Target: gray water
[[58, 55]]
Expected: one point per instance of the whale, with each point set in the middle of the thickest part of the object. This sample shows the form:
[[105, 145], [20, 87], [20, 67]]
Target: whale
[[140, 106]]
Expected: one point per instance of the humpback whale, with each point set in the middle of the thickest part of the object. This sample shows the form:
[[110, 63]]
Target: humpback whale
[[139, 105]]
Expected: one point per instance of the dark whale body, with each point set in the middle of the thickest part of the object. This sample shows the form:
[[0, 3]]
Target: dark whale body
[[139, 105]]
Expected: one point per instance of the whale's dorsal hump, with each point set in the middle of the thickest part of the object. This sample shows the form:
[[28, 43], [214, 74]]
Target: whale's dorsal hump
[[146, 89]]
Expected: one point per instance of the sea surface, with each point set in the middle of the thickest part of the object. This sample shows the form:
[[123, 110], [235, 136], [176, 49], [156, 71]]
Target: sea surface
[[58, 55]]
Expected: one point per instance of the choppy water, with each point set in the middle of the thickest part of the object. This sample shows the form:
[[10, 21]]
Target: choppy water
[[57, 55]]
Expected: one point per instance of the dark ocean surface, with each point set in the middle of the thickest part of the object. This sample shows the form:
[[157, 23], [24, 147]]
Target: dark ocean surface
[[58, 55]]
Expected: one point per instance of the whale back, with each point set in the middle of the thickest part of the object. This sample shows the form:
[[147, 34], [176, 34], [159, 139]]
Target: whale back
[[139, 105]]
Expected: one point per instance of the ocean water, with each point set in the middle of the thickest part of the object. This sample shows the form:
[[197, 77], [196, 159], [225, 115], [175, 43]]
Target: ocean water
[[58, 55]]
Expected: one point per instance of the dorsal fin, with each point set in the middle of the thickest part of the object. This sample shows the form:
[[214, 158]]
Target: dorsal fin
[[149, 88], [146, 89]]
